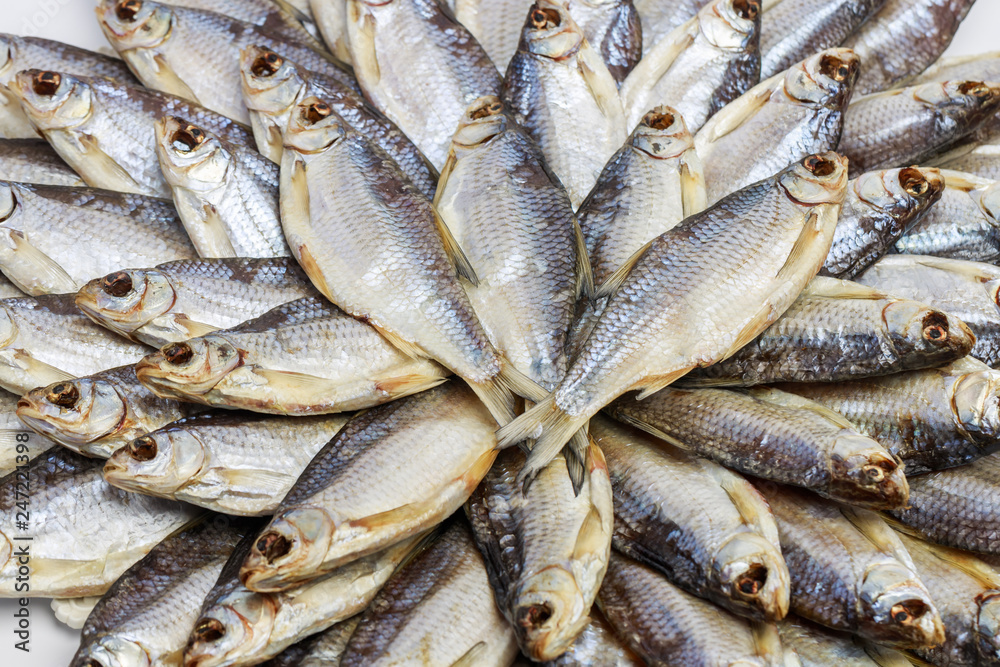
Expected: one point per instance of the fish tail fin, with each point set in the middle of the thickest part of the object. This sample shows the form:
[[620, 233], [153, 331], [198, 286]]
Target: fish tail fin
[[498, 399], [557, 428], [576, 458], [521, 384]]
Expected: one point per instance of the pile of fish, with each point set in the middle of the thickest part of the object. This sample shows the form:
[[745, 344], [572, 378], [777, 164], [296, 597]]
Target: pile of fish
[[582, 332]]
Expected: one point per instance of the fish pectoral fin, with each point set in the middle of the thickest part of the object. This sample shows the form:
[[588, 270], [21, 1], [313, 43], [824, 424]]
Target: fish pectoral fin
[[648, 428], [650, 386], [474, 656], [694, 195], [413, 383], [93, 155], [878, 532], [167, 79], [40, 371], [736, 112], [749, 502], [362, 41], [293, 11], [290, 381], [760, 321], [41, 274], [462, 264], [408, 348], [614, 282], [584, 271], [575, 455], [400, 517], [211, 236], [191, 328], [601, 84], [790, 400], [449, 166], [768, 643]]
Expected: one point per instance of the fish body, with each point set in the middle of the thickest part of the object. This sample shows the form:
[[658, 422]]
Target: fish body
[[516, 226], [665, 625], [957, 507], [34, 161], [418, 66], [661, 495], [194, 54], [660, 17], [239, 627], [817, 646], [794, 29], [839, 330], [331, 21], [438, 609], [305, 357], [46, 339], [850, 571], [965, 224], [967, 594], [596, 645], [226, 194], [50, 242], [903, 38], [879, 208], [145, 616], [19, 444], [781, 119], [546, 549], [701, 66], [85, 533], [966, 290], [179, 300], [376, 247], [496, 25], [980, 159], [19, 53], [280, 18], [637, 345], [96, 414], [911, 125], [274, 85], [230, 462], [932, 419], [104, 130], [773, 435], [613, 28], [319, 650], [389, 474], [554, 60]]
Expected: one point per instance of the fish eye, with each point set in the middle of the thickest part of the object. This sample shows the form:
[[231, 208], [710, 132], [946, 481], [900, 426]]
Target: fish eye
[[818, 166], [935, 333], [127, 9], [935, 327], [63, 394], [974, 88], [178, 353], [188, 138], [545, 18], [209, 630], [46, 83], [316, 112], [142, 448], [874, 473], [747, 9], [834, 67], [913, 182], [658, 120], [117, 284], [267, 64]]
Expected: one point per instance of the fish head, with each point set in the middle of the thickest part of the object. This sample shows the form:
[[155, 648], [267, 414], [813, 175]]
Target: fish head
[[74, 413], [549, 32], [866, 475], [314, 127], [53, 100], [662, 134], [901, 194], [988, 626], [126, 301], [8, 57], [549, 614], [271, 84], [134, 24], [967, 101], [896, 608], [235, 627], [189, 368], [817, 179], [112, 650], [987, 199], [730, 24], [291, 548], [158, 463], [483, 120], [190, 157], [922, 335], [752, 573], [825, 79], [975, 405]]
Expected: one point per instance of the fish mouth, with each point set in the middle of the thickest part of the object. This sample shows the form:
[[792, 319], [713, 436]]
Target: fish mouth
[[291, 549], [871, 479], [898, 610], [225, 633], [752, 574], [551, 33], [549, 613]]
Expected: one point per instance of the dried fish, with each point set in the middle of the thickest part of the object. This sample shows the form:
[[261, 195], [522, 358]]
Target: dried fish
[[389, 474], [596, 645], [34, 161], [660, 17], [18, 444], [305, 357], [817, 646]]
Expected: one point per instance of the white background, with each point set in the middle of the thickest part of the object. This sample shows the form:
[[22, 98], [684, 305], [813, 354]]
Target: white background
[[73, 21]]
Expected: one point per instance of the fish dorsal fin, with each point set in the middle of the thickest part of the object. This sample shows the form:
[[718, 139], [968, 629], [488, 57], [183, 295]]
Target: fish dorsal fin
[[614, 282], [835, 288], [454, 251], [789, 400], [982, 572], [878, 532]]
